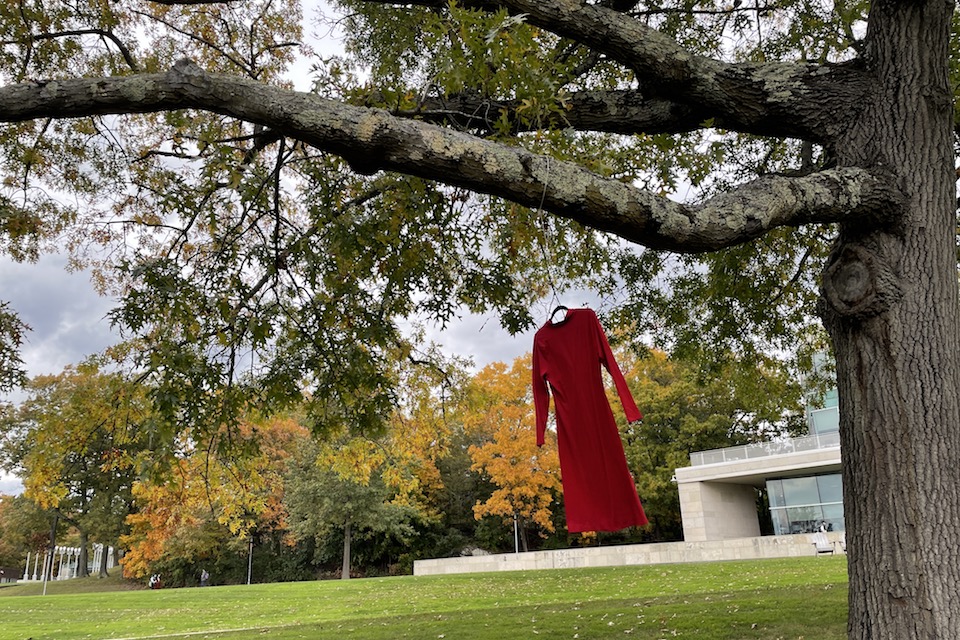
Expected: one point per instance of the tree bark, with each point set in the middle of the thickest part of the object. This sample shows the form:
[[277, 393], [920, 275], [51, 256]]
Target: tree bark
[[890, 304]]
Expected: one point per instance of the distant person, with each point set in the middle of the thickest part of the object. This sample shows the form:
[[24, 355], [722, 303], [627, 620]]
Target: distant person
[[204, 578]]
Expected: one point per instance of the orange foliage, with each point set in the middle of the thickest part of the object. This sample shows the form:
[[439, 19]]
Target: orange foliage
[[240, 493], [527, 477]]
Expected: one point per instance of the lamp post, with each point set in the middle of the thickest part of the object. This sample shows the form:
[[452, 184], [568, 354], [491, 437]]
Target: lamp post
[[47, 566], [250, 561]]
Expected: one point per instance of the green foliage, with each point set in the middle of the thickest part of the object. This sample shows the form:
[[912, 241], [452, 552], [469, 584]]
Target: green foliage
[[323, 504], [12, 331], [24, 528], [409, 494], [749, 301], [686, 411], [253, 271]]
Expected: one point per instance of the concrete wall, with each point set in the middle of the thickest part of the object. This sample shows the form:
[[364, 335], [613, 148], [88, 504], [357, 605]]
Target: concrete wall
[[622, 555], [718, 511]]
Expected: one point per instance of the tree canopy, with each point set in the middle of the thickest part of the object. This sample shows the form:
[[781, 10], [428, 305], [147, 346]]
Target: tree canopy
[[248, 249]]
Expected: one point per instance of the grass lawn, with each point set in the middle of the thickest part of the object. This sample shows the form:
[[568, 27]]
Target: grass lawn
[[786, 599]]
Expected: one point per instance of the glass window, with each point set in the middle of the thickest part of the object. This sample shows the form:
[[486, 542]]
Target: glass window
[[801, 491], [825, 420], [781, 526], [831, 488], [803, 505], [804, 519], [775, 493], [833, 515]]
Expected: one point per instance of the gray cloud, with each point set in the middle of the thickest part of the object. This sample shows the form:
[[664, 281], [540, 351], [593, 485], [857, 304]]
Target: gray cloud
[[10, 485], [66, 315], [483, 340]]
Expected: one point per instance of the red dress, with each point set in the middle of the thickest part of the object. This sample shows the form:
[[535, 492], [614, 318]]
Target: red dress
[[598, 490]]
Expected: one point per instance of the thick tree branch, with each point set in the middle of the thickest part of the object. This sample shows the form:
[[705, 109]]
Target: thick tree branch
[[372, 140], [624, 112], [748, 97]]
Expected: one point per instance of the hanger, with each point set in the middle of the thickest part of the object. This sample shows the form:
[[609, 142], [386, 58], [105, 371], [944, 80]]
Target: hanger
[[559, 307]]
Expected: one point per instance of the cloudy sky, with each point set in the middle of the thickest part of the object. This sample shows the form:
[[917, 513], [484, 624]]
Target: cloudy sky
[[66, 316], [68, 321]]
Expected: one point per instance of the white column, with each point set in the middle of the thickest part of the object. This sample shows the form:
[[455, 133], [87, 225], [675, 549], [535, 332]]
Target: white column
[[35, 558], [62, 551], [26, 569], [111, 559]]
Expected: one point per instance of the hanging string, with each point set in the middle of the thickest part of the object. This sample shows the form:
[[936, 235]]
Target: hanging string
[[545, 247]]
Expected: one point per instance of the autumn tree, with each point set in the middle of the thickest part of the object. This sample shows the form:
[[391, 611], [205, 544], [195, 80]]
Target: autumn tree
[[79, 441], [206, 510], [527, 478], [428, 417], [24, 529], [789, 117]]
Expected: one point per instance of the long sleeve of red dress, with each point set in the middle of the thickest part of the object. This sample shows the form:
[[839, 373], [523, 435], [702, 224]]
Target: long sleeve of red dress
[[598, 490]]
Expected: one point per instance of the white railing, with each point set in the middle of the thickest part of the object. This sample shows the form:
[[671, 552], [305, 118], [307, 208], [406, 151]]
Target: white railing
[[764, 449]]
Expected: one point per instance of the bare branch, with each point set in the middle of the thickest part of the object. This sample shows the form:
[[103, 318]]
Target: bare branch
[[103, 33], [240, 64]]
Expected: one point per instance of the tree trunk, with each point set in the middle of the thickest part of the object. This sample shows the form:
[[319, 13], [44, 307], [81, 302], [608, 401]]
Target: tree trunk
[[890, 304], [345, 569], [82, 570], [102, 571]]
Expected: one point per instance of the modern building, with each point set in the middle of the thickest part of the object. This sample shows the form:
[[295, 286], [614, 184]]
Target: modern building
[[719, 491], [719, 496]]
